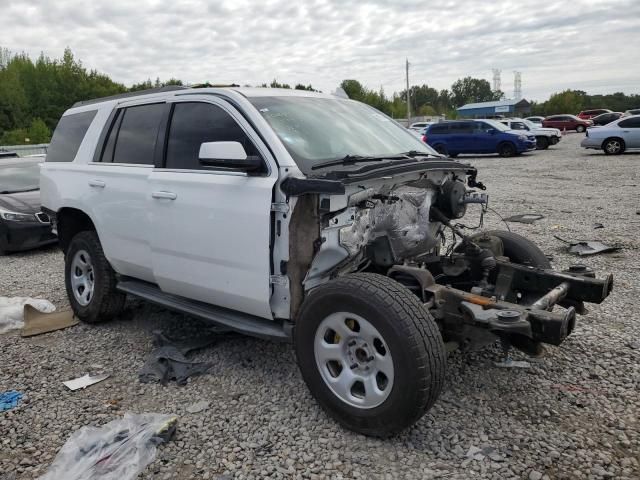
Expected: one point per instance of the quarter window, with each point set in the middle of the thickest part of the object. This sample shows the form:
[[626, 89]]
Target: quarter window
[[193, 124], [135, 140], [68, 136]]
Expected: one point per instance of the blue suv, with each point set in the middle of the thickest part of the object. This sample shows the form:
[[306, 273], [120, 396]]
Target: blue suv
[[477, 136]]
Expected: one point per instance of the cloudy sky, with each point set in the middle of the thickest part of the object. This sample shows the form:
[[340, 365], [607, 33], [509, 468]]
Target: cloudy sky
[[586, 44]]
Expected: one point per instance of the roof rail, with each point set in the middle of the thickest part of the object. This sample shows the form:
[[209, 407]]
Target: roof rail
[[168, 88]]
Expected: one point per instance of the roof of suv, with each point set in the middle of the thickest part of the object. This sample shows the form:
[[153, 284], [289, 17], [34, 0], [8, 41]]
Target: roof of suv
[[175, 89]]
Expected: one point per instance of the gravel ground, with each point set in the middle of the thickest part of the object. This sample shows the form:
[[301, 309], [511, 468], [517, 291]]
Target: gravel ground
[[573, 415]]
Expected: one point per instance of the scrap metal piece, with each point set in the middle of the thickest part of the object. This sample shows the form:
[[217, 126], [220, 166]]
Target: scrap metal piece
[[524, 218], [588, 247], [84, 381]]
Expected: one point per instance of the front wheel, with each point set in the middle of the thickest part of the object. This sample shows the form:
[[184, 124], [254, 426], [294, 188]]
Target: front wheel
[[90, 280], [370, 353], [542, 143], [507, 149], [580, 128]]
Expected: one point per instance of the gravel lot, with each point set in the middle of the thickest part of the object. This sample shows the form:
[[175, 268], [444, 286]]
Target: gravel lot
[[574, 414]]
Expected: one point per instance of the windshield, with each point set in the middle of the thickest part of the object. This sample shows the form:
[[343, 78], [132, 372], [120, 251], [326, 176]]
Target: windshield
[[19, 177], [529, 123], [497, 125], [318, 130]]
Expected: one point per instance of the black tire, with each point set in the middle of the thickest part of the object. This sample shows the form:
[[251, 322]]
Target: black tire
[[613, 146], [580, 128], [542, 143], [407, 329], [106, 302], [554, 140], [507, 149], [441, 149]]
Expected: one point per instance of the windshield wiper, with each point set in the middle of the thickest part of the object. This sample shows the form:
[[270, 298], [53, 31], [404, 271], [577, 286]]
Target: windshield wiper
[[6, 192], [353, 159], [415, 153]]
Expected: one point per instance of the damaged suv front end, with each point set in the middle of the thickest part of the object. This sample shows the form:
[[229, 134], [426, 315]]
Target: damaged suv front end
[[371, 199]]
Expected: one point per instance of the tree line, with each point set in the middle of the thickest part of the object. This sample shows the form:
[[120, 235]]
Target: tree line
[[34, 94]]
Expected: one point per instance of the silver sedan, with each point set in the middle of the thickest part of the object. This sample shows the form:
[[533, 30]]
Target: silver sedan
[[616, 137]]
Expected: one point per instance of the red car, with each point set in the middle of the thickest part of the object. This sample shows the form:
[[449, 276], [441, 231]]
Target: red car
[[566, 122], [587, 114]]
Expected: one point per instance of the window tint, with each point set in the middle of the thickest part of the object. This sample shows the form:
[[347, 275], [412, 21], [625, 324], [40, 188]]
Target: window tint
[[484, 127], [630, 123], [68, 136], [193, 124], [136, 138], [439, 129], [518, 126], [466, 127]]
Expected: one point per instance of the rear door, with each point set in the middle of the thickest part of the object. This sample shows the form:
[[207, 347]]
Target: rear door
[[211, 228], [118, 187], [631, 131]]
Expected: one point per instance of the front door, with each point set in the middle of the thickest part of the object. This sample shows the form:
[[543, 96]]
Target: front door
[[210, 228], [631, 131]]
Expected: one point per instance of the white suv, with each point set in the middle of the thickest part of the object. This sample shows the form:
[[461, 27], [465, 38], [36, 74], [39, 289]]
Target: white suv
[[544, 136], [302, 217]]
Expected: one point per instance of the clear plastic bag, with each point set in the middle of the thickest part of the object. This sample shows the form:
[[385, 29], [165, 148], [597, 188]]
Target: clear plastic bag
[[119, 450]]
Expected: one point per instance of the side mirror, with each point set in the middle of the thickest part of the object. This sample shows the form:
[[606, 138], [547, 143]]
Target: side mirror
[[227, 155], [491, 131]]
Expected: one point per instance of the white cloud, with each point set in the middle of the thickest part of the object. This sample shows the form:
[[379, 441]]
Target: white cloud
[[592, 45]]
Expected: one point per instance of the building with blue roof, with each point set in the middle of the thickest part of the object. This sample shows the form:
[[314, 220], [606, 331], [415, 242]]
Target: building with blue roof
[[505, 108]]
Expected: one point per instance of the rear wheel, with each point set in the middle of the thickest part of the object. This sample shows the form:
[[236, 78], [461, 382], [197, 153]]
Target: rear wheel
[[613, 146], [441, 149], [370, 353], [580, 128], [90, 280], [542, 143], [507, 149]]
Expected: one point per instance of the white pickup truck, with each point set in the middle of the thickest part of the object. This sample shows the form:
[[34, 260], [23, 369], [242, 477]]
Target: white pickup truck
[[301, 217]]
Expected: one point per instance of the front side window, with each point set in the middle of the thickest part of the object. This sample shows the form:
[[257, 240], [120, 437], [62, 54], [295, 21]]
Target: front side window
[[193, 124], [68, 136], [135, 140], [316, 130], [518, 126]]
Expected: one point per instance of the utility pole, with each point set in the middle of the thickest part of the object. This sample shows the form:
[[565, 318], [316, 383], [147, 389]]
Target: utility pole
[[408, 99]]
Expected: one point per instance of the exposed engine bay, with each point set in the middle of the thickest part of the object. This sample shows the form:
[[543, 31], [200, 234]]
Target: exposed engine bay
[[481, 287]]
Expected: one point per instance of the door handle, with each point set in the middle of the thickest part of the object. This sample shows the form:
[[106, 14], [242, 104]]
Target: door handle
[[97, 183], [167, 195]]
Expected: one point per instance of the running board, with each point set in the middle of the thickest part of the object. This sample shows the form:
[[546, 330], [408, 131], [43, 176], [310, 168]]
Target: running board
[[237, 321]]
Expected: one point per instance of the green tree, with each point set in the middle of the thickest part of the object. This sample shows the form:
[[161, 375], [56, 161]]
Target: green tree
[[472, 90], [568, 101], [39, 132]]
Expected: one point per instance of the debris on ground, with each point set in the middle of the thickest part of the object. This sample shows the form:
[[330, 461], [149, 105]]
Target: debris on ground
[[524, 218], [588, 247], [168, 360], [119, 450], [597, 225], [12, 311], [197, 407], [84, 381], [9, 400], [510, 363], [37, 322]]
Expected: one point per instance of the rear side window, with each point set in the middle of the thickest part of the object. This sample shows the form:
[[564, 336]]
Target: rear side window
[[68, 136], [630, 123], [135, 139], [193, 124], [439, 129]]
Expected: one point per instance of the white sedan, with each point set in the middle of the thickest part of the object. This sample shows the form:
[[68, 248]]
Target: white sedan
[[615, 137]]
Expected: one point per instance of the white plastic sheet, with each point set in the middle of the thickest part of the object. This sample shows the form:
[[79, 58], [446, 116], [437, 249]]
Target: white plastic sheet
[[12, 311], [119, 450]]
